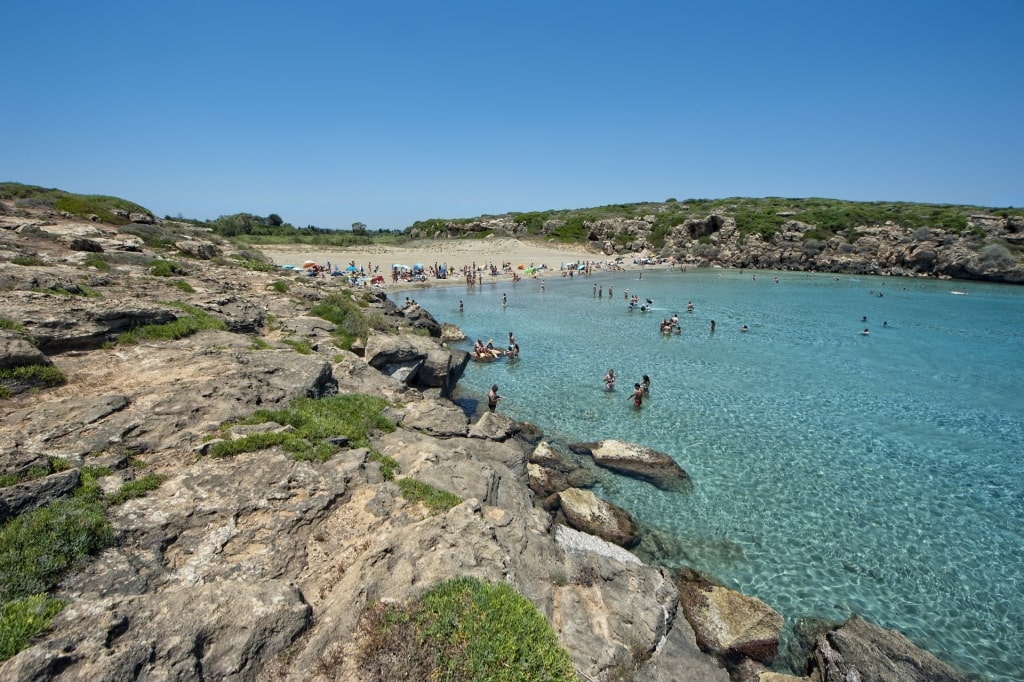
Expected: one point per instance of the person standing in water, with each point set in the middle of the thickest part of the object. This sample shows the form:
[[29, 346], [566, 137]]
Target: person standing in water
[[637, 396], [493, 398], [645, 384], [504, 299], [609, 380]]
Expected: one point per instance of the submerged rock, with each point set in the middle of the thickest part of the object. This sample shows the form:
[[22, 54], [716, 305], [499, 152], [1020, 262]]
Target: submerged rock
[[861, 650], [637, 461]]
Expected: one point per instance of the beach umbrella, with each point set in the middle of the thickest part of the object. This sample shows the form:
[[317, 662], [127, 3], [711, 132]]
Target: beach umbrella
[[351, 268], [417, 266], [309, 264], [399, 266]]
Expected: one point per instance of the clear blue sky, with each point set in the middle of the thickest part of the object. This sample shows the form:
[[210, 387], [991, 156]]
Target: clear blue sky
[[328, 113]]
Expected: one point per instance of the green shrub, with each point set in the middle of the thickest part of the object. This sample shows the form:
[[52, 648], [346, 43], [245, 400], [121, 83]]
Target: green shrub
[[22, 619], [195, 320], [35, 375], [313, 421], [28, 260], [184, 286], [97, 261], [388, 466], [165, 268], [137, 488], [301, 347], [353, 323], [259, 343], [37, 548], [280, 286], [463, 629], [432, 498]]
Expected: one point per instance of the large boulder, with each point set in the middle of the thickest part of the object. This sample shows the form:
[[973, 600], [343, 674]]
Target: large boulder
[[493, 426], [436, 417], [859, 650], [587, 512], [637, 461], [417, 361], [17, 350], [729, 624]]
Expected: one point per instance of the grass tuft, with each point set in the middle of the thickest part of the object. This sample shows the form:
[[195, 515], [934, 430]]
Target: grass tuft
[[195, 320], [463, 629], [352, 415], [432, 498]]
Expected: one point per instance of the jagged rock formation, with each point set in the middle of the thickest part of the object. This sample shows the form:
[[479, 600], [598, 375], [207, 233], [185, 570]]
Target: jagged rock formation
[[989, 248]]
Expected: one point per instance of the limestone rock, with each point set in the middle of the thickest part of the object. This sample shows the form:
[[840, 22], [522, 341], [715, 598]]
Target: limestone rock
[[81, 323], [587, 512], [637, 461], [417, 361], [28, 495], [729, 624], [222, 630], [197, 248], [863, 651], [451, 332], [436, 417], [493, 426], [16, 350]]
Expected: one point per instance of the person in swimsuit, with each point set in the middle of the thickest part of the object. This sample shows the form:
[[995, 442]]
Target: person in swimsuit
[[609, 380], [637, 396], [646, 385], [493, 398]]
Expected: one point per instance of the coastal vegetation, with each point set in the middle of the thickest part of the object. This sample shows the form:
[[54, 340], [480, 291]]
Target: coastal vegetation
[[193, 321], [313, 422], [462, 629], [754, 216], [38, 548], [434, 499], [111, 210]]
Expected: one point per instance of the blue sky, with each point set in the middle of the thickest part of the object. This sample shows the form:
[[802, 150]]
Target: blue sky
[[329, 113]]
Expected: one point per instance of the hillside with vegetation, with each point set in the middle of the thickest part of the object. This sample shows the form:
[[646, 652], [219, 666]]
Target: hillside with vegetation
[[810, 234]]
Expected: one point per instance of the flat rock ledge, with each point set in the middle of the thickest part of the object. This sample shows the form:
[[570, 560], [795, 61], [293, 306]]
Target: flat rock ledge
[[637, 461]]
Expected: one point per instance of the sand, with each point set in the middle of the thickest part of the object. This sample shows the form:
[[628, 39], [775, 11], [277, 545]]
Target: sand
[[454, 253]]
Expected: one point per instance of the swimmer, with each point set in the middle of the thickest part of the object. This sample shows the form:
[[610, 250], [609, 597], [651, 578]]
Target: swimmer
[[744, 328], [646, 385], [865, 332], [504, 299], [460, 306], [712, 326]]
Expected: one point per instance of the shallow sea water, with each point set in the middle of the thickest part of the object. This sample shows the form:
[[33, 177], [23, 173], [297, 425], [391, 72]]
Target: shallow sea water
[[834, 473]]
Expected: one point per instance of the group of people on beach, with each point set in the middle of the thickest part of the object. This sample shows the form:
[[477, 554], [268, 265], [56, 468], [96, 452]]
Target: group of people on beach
[[640, 389]]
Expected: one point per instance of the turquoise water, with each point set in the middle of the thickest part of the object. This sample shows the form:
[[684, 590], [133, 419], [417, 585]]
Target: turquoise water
[[834, 473]]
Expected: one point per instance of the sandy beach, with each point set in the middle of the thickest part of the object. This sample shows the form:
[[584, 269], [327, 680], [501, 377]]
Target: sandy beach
[[456, 254]]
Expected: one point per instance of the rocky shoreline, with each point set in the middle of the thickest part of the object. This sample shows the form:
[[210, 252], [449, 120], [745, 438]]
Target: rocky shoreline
[[258, 566]]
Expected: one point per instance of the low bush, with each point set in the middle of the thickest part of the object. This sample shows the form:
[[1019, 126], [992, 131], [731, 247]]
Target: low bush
[[137, 488], [463, 629], [195, 320], [313, 421], [165, 268], [432, 498]]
